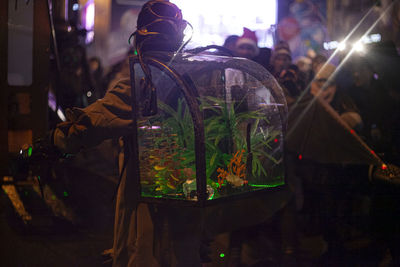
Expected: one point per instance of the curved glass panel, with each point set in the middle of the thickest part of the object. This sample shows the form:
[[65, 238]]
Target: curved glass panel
[[165, 139], [243, 131]]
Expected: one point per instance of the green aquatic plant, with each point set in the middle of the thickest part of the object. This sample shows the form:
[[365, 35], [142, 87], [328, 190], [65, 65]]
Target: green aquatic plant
[[228, 130], [180, 121]]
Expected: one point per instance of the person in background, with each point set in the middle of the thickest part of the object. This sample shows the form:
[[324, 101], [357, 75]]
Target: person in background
[[372, 97], [316, 62], [304, 63], [247, 45], [230, 43], [324, 87], [293, 83], [281, 58], [96, 71]]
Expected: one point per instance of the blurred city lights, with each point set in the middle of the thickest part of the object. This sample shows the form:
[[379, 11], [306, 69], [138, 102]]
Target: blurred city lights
[[75, 7], [89, 18], [213, 20], [358, 46], [342, 46]]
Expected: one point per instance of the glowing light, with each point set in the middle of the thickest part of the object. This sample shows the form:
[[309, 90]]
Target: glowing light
[[376, 38], [359, 47], [65, 194], [221, 255], [89, 94], [89, 18], [384, 166], [75, 7], [29, 151], [300, 157], [69, 28], [268, 185], [352, 131], [276, 140], [89, 37], [61, 115], [368, 39], [342, 46], [373, 38], [20, 152], [154, 127], [8, 179], [372, 152]]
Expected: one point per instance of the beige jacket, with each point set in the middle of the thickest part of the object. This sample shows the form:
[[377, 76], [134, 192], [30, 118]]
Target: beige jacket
[[110, 117]]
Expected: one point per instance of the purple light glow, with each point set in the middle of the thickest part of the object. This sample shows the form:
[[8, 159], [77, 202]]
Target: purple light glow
[[89, 16], [214, 20], [88, 20]]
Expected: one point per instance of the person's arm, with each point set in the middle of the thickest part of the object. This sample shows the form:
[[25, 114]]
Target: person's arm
[[108, 117]]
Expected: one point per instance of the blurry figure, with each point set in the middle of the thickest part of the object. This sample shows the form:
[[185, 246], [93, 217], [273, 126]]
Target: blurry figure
[[247, 45], [263, 57], [74, 81], [230, 42], [281, 58], [324, 86], [372, 97], [316, 62], [115, 70], [96, 71], [291, 82], [305, 68]]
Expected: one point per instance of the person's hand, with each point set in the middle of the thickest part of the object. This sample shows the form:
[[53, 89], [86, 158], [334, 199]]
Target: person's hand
[[44, 149]]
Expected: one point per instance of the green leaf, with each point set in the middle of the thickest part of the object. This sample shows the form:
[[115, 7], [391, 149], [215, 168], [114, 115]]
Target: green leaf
[[212, 160]]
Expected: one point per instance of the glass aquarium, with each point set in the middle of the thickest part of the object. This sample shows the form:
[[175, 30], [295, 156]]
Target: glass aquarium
[[207, 127]]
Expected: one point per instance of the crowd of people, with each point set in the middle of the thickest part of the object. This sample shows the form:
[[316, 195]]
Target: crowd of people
[[361, 89], [366, 94]]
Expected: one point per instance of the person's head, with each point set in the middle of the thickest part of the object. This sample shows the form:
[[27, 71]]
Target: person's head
[[159, 27], [246, 45], [94, 64], [281, 57], [230, 42], [362, 72], [317, 60], [304, 64], [324, 85]]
